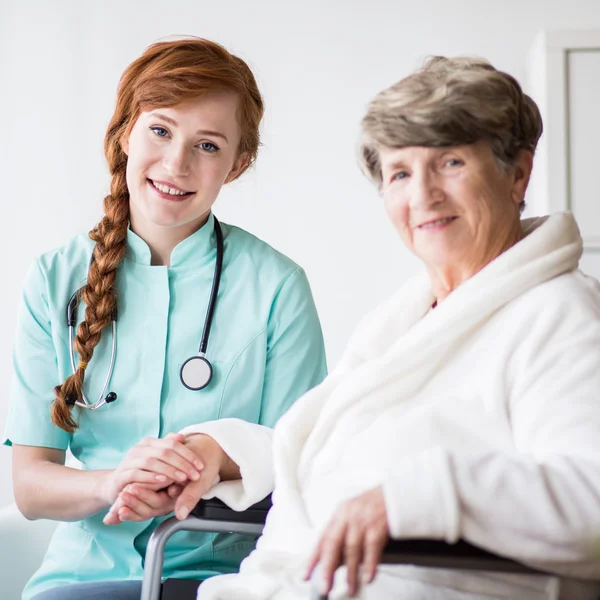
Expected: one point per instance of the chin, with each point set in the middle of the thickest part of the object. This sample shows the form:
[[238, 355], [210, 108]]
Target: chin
[[170, 223], [440, 257], [167, 218]]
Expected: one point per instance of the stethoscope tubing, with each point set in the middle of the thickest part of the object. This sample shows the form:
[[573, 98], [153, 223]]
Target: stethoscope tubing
[[214, 290], [84, 402]]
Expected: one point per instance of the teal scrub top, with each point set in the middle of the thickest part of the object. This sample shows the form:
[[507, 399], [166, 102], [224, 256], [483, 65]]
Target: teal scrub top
[[265, 346]]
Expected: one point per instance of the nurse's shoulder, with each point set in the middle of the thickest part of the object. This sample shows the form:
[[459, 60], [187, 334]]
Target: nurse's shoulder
[[276, 293], [256, 257], [68, 257], [58, 273]]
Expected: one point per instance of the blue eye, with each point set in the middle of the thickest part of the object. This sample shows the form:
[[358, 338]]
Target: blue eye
[[399, 175], [159, 131], [454, 162], [208, 147]]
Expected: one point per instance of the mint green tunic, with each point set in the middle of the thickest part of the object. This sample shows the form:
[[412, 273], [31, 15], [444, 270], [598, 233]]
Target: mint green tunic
[[265, 345]]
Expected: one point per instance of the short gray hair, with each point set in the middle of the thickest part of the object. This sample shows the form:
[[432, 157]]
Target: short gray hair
[[450, 102]]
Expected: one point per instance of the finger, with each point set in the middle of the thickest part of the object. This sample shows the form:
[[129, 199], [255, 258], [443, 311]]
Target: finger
[[166, 462], [157, 461], [112, 517], [331, 556], [125, 476], [126, 514], [142, 490], [372, 554], [174, 449], [192, 492], [133, 480], [176, 441], [133, 488], [313, 561], [137, 506], [160, 505], [156, 486], [353, 550], [160, 501], [174, 490]]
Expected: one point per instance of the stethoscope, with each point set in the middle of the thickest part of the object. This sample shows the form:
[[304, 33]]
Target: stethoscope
[[195, 373]]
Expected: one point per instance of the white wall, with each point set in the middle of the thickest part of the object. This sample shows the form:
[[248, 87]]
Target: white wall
[[318, 63]]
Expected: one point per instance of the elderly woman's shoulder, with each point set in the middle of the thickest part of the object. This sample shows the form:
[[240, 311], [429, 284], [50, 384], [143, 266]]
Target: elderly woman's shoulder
[[574, 296]]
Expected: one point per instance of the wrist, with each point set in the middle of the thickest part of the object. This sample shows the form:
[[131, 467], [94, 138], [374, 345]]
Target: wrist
[[229, 469], [203, 445], [102, 489]]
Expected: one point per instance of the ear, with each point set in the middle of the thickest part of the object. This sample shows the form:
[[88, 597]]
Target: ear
[[240, 163], [521, 175]]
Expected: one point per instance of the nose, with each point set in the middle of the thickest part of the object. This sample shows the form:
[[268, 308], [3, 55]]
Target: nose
[[177, 160], [425, 190]]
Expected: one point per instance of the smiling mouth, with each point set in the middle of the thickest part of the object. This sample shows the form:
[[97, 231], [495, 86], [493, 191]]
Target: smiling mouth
[[165, 189], [437, 223]]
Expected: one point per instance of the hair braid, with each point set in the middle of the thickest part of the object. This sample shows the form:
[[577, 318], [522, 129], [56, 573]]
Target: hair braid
[[99, 294], [167, 74]]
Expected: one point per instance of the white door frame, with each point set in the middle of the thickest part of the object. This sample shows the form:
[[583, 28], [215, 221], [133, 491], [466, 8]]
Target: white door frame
[[548, 67]]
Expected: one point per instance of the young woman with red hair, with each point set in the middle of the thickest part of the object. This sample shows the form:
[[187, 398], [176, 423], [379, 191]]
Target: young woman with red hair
[[186, 123]]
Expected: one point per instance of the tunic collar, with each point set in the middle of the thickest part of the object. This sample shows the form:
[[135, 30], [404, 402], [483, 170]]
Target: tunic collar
[[193, 249]]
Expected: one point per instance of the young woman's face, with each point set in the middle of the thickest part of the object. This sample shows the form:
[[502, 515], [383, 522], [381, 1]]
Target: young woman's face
[[179, 158]]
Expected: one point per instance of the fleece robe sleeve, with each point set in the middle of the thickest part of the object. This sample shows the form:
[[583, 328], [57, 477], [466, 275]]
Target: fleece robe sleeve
[[540, 504]]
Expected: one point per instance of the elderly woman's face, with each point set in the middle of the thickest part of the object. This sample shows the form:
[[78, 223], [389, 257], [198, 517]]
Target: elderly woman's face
[[453, 207]]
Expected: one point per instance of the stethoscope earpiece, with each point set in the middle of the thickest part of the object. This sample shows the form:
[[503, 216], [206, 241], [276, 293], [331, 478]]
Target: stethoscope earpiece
[[110, 397], [70, 400]]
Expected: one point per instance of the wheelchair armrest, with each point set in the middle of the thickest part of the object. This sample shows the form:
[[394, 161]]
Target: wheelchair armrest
[[426, 553], [216, 510], [462, 555], [208, 516]]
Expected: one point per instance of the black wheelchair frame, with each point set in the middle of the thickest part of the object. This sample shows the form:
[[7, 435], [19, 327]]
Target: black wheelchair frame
[[216, 517]]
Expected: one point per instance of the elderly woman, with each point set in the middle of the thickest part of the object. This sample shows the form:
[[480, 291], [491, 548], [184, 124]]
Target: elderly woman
[[468, 405]]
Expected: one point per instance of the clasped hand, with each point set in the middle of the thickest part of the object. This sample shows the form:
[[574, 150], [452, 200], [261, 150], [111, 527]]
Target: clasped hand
[[160, 476]]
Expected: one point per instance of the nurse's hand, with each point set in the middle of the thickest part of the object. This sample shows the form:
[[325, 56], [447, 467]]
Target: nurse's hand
[[356, 535], [156, 463], [137, 502]]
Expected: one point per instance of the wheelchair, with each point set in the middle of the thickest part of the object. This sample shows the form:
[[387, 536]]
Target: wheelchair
[[214, 516]]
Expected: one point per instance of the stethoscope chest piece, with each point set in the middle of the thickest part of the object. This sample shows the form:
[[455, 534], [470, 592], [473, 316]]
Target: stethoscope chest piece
[[196, 373]]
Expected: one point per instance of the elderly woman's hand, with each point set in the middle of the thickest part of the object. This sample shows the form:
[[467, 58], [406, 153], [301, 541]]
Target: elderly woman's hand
[[217, 465], [356, 535]]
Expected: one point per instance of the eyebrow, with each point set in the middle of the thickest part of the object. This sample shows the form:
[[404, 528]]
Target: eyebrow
[[397, 164], [437, 151], [200, 131]]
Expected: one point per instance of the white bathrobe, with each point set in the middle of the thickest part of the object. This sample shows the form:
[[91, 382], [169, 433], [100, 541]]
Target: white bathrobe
[[479, 419]]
